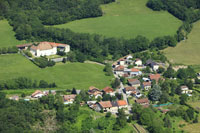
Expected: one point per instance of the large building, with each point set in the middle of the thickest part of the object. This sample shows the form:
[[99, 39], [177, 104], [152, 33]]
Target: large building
[[45, 48]]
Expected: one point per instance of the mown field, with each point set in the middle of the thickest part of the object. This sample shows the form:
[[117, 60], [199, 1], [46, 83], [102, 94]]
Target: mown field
[[127, 18], [187, 52], [7, 35], [66, 76]]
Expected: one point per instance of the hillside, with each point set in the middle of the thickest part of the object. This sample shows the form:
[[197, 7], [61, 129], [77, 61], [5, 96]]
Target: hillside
[[7, 35], [66, 76], [186, 52], [127, 18]]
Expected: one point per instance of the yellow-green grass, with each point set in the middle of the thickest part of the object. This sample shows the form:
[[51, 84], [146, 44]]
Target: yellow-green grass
[[66, 76], [127, 18], [7, 35], [187, 52]]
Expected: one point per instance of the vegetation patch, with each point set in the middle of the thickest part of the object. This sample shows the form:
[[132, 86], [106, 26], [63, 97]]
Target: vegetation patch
[[127, 18]]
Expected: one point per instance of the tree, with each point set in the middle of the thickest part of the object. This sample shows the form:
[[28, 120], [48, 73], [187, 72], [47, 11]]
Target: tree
[[169, 73], [155, 93], [183, 99], [64, 60], [123, 80], [74, 91], [178, 90], [121, 120], [108, 70], [43, 84], [160, 70], [167, 122], [115, 83], [190, 113], [108, 114]]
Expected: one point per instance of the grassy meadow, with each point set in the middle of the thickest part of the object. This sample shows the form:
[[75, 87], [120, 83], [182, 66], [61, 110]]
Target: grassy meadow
[[187, 52], [7, 35], [66, 76], [127, 18]]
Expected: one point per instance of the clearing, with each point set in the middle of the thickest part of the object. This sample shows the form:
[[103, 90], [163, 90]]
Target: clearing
[[186, 52], [127, 18], [66, 76], [7, 35]]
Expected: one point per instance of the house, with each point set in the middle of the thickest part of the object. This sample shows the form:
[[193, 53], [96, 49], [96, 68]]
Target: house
[[134, 83], [37, 94], [135, 72], [146, 79], [105, 106], [109, 90], [185, 90], [138, 94], [69, 99], [152, 64], [122, 62], [143, 101], [48, 48], [122, 104], [93, 91], [138, 62], [146, 85], [16, 98], [155, 77], [114, 108], [129, 90], [119, 70], [47, 92]]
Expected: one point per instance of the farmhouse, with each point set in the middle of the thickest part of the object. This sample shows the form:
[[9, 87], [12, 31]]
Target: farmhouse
[[48, 48], [93, 91]]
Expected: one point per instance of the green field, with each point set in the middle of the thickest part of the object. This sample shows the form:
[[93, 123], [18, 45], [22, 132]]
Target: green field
[[187, 52], [66, 76], [7, 35], [127, 18]]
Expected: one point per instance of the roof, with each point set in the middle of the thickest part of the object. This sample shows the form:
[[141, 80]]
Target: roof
[[68, 97], [108, 89], [133, 81], [119, 68], [130, 88], [93, 88], [24, 45], [121, 103], [46, 45], [105, 104], [138, 59], [114, 104], [37, 92], [146, 83], [154, 77], [143, 100], [182, 87], [135, 70]]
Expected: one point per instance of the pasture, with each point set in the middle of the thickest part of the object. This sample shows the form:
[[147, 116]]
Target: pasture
[[66, 76], [7, 35], [186, 52], [127, 18]]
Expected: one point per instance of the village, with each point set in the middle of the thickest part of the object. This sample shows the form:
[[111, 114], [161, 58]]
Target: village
[[109, 99]]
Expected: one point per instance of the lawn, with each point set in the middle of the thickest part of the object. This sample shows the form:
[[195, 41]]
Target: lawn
[[7, 35], [66, 76], [127, 18], [187, 52]]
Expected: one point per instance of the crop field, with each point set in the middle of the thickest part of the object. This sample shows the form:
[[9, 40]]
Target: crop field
[[7, 35], [127, 18], [66, 76], [187, 52]]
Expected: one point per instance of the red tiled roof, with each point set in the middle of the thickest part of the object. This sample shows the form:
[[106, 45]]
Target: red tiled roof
[[135, 70], [121, 103], [143, 100], [147, 83], [68, 97], [36, 92], [130, 88], [24, 45], [92, 88], [119, 68], [108, 89], [132, 80], [105, 104], [154, 77]]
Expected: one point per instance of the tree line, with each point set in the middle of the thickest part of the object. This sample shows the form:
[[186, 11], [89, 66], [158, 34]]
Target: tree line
[[25, 83]]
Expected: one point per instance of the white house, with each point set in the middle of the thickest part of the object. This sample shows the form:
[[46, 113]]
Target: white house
[[37, 94], [138, 62], [48, 48], [69, 99], [185, 90], [135, 72], [122, 104], [119, 70]]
